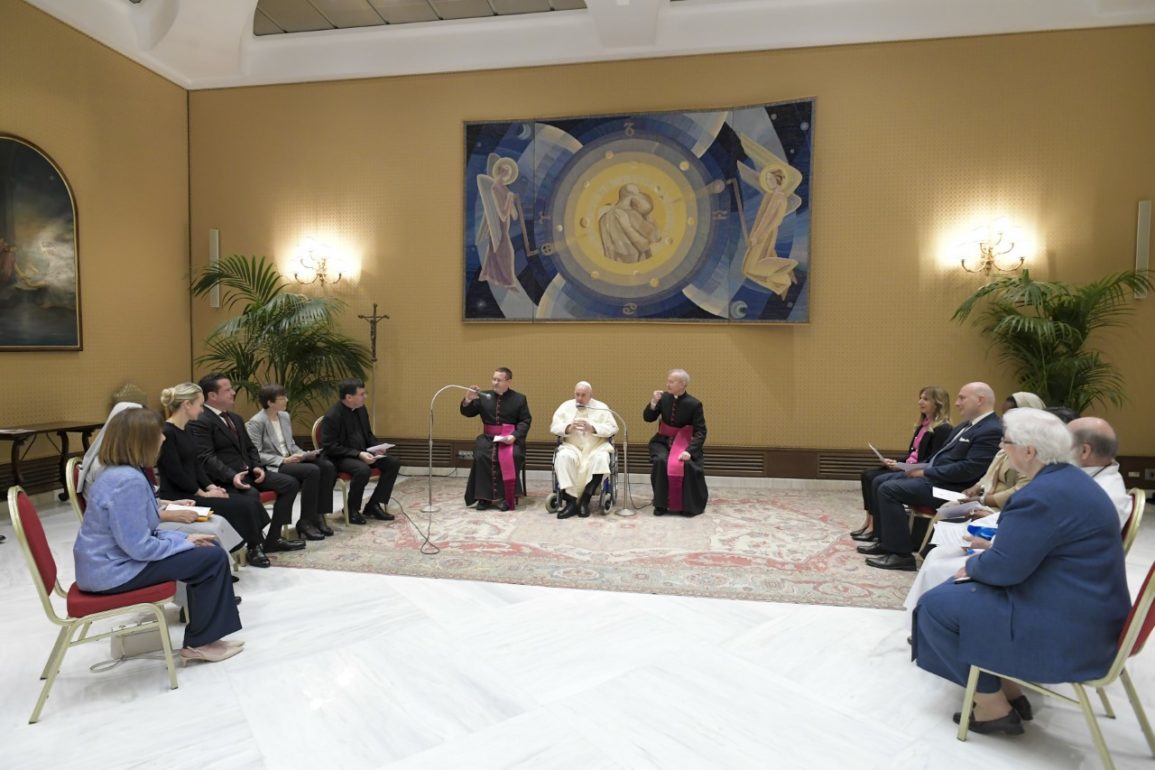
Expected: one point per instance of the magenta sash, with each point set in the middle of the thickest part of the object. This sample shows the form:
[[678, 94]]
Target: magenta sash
[[505, 459], [675, 468]]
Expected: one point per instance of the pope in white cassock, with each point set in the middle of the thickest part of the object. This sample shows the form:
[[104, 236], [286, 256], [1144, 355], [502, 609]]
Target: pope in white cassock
[[586, 427]]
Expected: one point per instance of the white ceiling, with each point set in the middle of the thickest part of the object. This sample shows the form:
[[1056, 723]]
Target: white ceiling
[[210, 43]]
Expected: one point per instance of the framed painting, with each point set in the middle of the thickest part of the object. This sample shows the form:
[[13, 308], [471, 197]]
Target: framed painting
[[675, 216], [39, 274]]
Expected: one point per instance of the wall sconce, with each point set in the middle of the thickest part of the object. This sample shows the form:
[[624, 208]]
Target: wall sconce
[[996, 244], [314, 261]]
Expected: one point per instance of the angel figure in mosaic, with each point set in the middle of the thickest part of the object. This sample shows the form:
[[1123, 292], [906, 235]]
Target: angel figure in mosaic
[[500, 205], [777, 180]]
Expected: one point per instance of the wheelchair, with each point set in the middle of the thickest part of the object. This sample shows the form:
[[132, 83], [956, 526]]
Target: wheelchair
[[605, 498]]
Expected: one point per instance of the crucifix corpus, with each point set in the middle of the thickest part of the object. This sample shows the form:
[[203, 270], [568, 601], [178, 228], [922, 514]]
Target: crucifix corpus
[[373, 320]]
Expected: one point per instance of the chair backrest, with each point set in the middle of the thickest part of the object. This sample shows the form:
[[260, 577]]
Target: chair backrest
[[1131, 528], [1141, 620], [315, 433], [71, 483], [30, 534]]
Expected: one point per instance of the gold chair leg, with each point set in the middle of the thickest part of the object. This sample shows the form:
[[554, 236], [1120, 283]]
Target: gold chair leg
[[1093, 724], [53, 669], [1137, 706], [64, 631], [964, 721], [166, 643], [345, 501], [1110, 712]]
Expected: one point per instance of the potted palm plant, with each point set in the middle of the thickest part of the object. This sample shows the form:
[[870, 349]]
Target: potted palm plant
[[278, 336], [1044, 328]]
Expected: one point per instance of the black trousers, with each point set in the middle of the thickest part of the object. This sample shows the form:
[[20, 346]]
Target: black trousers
[[212, 610], [389, 467], [243, 511], [286, 488], [316, 479], [867, 480]]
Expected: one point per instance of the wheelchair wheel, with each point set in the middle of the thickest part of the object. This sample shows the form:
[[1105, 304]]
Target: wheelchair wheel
[[552, 503]]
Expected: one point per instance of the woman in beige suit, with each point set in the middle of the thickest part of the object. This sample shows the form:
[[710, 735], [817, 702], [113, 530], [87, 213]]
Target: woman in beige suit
[[271, 431]]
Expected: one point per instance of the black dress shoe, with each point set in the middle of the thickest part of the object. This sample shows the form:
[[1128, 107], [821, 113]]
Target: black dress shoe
[[859, 531], [872, 549], [237, 600], [323, 526], [570, 509], [235, 578], [375, 511], [1022, 707], [865, 537], [584, 509], [1011, 724], [660, 511], [309, 530], [356, 518], [894, 561], [501, 505], [256, 557], [483, 505], [281, 545]]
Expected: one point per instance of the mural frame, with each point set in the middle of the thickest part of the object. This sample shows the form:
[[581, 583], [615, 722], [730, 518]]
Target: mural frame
[[694, 216], [40, 306]]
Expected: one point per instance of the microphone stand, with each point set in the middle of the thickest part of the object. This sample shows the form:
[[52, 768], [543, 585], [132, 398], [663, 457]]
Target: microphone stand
[[622, 511], [430, 507]]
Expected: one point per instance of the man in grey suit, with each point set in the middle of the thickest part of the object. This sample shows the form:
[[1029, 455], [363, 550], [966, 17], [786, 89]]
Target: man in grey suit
[[271, 431]]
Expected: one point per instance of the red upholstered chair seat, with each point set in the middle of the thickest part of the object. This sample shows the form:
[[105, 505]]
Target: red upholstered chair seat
[[81, 603]]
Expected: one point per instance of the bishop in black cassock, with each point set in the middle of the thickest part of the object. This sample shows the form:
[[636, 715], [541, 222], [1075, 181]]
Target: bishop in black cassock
[[501, 406], [681, 421]]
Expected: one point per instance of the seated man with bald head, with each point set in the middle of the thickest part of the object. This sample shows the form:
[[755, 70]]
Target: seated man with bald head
[[1094, 450], [586, 428], [960, 463]]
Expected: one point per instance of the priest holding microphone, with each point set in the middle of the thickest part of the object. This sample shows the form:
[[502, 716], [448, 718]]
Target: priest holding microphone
[[677, 465], [500, 449]]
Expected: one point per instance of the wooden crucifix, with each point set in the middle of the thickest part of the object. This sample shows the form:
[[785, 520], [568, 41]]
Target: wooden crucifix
[[373, 320]]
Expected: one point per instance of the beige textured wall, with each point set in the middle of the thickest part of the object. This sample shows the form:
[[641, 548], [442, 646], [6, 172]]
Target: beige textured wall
[[119, 133], [913, 141]]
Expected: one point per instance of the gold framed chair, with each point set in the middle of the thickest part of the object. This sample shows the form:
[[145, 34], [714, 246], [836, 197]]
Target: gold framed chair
[[1131, 528], [71, 479], [1136, 629], [83, 608], [922, 512]]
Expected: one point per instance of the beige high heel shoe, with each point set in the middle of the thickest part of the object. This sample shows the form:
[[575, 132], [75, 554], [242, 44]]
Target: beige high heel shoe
[[209, 653]]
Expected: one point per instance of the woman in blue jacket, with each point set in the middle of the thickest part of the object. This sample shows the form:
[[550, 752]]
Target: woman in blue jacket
[[120, 548]]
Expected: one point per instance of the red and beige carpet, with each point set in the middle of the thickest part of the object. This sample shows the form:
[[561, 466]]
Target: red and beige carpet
[[759, 544]]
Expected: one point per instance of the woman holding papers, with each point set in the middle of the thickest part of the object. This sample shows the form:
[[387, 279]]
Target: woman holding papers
[[271, 431], [120, 547], [182, 476], [930, 434]]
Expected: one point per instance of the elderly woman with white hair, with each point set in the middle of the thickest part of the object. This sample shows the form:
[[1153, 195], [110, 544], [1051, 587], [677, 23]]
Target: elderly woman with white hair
[[1047, 600]]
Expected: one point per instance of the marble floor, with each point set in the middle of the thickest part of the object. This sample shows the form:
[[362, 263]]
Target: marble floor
[[368, 671]]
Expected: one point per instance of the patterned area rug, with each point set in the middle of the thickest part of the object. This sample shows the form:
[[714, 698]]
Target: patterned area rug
[[765, 545]]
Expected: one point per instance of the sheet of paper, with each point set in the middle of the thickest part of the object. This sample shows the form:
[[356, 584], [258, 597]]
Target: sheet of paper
[[876, 452], [380, 449], [202, 513], [946, 494]]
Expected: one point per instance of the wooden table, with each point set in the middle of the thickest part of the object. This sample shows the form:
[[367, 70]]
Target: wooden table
[[27, 434]]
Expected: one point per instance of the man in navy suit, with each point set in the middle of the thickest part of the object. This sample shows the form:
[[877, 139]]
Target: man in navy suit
[[959, 464]]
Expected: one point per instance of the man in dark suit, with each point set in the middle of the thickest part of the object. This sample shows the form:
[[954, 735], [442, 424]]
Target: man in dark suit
[[959, 464], [346, 439], [231, 460]]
